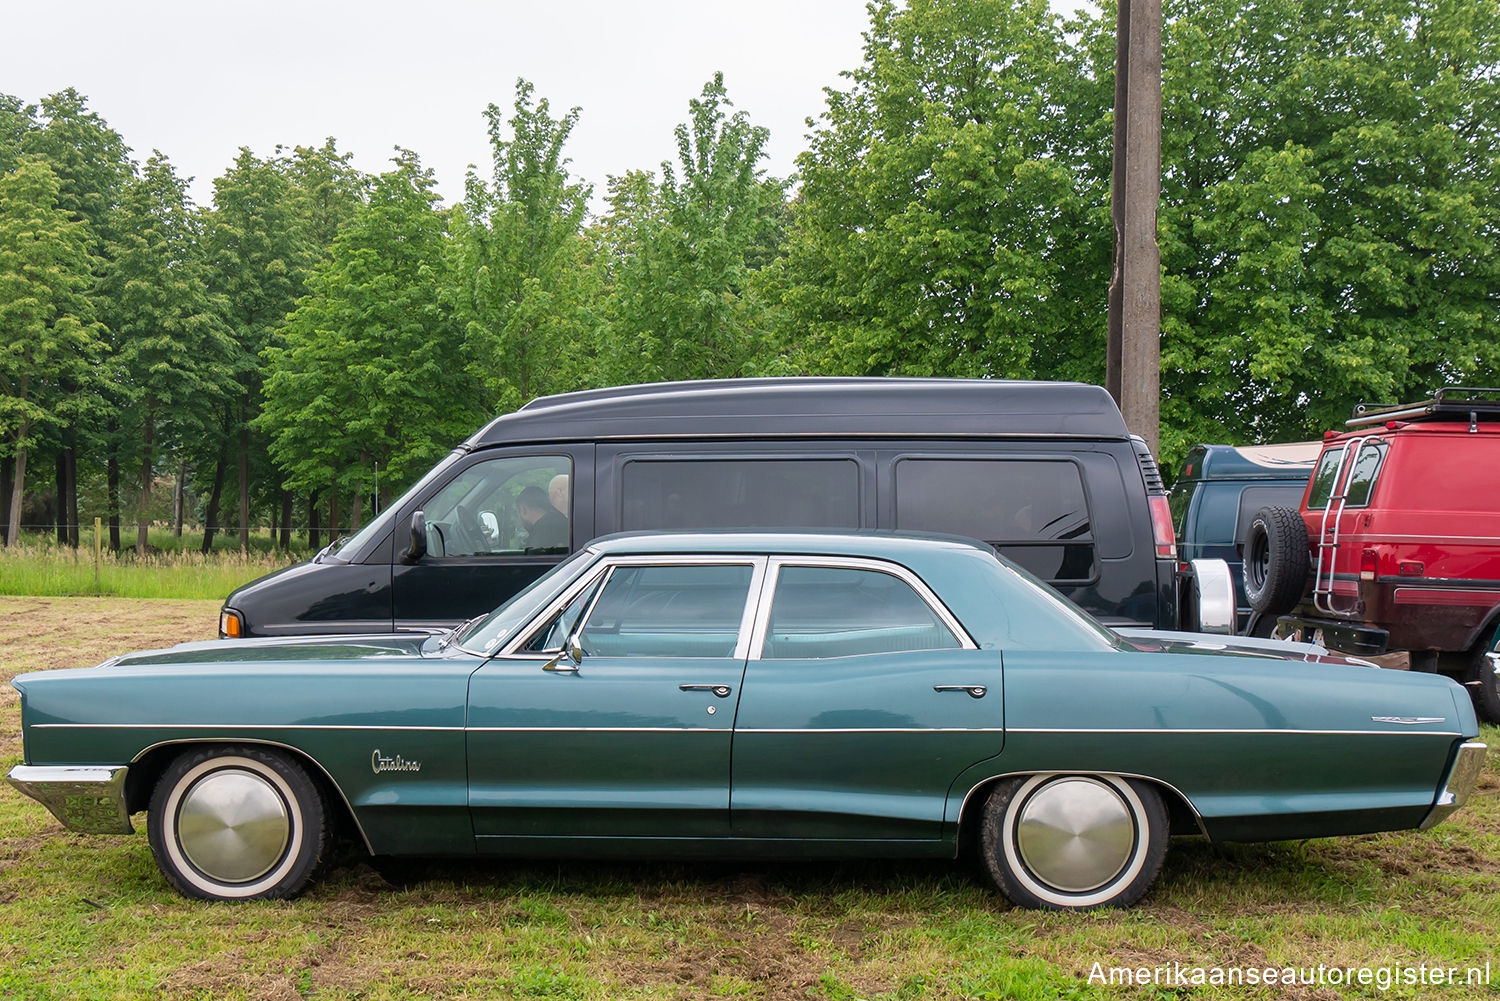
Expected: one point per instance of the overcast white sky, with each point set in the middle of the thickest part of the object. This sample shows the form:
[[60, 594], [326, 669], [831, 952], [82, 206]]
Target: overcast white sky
[[197, 79]]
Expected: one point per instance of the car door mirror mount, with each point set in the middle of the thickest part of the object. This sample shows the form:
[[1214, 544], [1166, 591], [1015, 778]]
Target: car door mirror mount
[[418, 547]]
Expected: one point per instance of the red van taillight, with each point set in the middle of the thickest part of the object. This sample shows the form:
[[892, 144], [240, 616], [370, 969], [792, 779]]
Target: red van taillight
[[1369, 560], [1161, 527]]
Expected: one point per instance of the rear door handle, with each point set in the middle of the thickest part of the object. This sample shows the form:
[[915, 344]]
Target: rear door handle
[[974, 691], [720, 691]]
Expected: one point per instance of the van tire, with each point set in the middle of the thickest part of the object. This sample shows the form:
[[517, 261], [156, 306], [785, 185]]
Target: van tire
[[1486, 683], [1276, 560]]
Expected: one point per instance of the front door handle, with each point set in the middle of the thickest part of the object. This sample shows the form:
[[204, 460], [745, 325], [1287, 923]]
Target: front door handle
[[720, 691], [974, 691]]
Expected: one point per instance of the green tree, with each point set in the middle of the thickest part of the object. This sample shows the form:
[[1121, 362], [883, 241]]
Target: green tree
[[49, 340], [943, 203], [93, 166], [512, 282], [260, 255], [368, 367], [1330, 231], [681, 304], [172, 348]]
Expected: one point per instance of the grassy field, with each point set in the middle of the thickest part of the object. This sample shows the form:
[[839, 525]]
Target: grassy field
[[44, 568], [89, 917]]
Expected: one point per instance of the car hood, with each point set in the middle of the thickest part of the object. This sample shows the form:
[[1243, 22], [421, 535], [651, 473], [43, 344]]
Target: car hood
[[382, 646]]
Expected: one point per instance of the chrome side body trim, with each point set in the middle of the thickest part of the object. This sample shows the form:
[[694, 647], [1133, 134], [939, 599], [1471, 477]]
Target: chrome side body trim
[[237, 726], [1458, 784], [90, 800]]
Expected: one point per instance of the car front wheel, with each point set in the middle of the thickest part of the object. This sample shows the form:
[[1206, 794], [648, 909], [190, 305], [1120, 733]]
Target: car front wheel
[[237, 823], [1073, 842]]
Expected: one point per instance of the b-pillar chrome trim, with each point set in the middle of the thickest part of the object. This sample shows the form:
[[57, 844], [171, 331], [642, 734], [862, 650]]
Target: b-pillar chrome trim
[[87, 799], [1458, 783]]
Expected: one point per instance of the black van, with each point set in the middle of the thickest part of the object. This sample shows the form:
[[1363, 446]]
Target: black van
[[1046, 472]]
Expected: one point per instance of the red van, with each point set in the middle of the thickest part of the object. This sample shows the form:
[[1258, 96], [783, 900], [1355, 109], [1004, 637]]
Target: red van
[[1396, 545]]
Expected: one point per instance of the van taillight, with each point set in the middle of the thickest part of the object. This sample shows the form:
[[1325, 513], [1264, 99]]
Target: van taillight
[[1369, 560], [1161, 527]]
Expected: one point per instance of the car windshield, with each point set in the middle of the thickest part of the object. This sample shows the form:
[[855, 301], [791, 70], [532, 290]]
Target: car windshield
[[484, 636], [1054, 604]]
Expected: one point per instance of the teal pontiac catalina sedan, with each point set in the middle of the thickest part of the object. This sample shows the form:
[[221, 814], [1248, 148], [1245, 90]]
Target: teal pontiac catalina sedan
[[746, 695]]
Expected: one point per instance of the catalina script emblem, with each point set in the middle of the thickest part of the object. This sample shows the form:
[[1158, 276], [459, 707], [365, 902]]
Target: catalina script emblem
[[1409, 720], [380, 763]]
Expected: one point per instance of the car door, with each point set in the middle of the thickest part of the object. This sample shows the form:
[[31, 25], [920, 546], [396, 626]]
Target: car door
[[863, 700], [632, 740], [480, 548]]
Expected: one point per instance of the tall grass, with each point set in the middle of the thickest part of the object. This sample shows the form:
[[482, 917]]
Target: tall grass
[[45, 569]]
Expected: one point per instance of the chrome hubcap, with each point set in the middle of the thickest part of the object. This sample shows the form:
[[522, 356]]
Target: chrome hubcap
[[1075, 834], [233, 825]]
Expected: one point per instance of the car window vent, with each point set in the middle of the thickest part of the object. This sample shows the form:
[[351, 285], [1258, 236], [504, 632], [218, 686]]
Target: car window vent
[[1465, 403], [1149, 470]]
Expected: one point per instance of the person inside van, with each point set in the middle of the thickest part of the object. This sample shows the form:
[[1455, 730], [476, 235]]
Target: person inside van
[[546, 528], [557, 493]]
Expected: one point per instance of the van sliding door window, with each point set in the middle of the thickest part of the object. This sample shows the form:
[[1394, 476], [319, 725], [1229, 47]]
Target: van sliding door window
[[739, 493], [1034, 511], [508, 506]]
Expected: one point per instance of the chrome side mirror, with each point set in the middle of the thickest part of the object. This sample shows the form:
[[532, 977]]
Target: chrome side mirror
[[569, 660]]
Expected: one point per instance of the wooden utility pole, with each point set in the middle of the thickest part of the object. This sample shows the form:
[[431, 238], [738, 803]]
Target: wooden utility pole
[[1133, 360]]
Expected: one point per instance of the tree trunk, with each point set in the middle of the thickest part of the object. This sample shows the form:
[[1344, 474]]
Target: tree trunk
[[142, 537], [60, 524], [314, 536], [285, 542], [333, 515], [7, 478], [356, 511], [72, 507], [112, 501], [178, 498], [18, 487], [211, 516], [245, 481]]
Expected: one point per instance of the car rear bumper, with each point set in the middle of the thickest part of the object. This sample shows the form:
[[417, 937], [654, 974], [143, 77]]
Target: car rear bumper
[[88, 799], [1346, 637], [1462, 776]]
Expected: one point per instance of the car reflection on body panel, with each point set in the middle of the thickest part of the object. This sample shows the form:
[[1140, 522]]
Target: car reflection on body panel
[[883, 695]]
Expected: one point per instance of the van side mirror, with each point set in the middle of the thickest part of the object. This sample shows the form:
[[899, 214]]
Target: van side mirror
[[418, 547]]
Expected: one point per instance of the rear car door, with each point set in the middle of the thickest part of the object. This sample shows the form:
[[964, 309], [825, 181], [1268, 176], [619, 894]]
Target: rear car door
[[864, 698]]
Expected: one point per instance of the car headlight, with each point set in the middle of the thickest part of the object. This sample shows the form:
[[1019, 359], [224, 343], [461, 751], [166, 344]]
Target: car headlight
[[231, 625]]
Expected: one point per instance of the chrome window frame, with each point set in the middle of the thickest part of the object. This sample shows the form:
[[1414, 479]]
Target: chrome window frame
[[608, 565], [902, 573]]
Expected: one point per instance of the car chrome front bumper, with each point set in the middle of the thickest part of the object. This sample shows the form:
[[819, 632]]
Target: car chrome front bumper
[[1459, 783], [88, 799]]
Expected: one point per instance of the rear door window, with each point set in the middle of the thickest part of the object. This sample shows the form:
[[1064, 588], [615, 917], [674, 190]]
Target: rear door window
[[1034, 511]]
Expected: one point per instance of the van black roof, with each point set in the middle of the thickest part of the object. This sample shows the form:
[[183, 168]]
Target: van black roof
[[804, 407]]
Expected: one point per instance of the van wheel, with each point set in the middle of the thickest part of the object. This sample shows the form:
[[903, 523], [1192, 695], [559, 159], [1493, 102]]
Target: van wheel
[[1276, 560], [1073, 842], [237, 823], [1486, 687]]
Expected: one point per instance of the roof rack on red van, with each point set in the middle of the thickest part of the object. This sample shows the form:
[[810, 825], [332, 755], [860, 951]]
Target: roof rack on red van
[[1470, 403]]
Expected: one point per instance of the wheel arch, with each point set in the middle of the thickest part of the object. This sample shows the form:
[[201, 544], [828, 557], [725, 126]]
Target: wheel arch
[[146, 769], [1182, 816]]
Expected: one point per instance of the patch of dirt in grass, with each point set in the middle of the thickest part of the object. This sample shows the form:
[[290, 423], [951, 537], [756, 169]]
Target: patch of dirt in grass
[[228, 973]]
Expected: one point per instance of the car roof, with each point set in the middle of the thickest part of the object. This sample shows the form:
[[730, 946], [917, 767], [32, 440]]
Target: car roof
[[1292, 460], [895, 546], [804, 407]]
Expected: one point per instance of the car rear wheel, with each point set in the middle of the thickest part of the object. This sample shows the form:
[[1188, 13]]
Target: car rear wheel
[[1276, 560], [237, 823], [1073, 842]]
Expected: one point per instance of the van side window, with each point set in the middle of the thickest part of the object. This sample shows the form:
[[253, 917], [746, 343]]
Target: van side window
[[739, 493], [519, 504], [843, 612], [1034, 511]]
